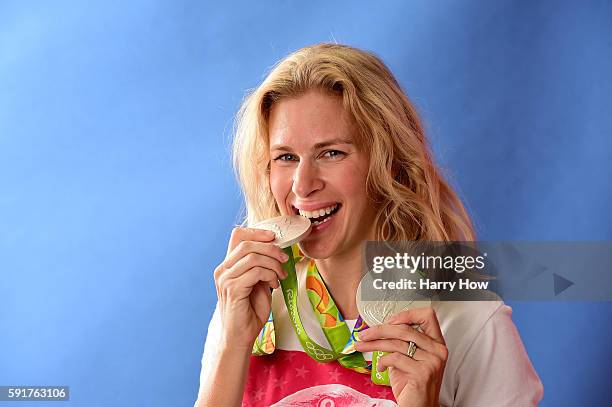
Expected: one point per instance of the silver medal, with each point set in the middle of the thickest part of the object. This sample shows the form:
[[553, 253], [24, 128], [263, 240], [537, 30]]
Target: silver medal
[[387, 304], [289, 229]]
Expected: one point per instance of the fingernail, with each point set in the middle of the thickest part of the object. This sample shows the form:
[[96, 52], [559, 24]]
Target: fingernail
[[284, 257]]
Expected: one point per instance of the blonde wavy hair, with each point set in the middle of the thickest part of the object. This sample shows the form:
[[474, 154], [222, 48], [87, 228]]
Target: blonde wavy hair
[[414, 201]]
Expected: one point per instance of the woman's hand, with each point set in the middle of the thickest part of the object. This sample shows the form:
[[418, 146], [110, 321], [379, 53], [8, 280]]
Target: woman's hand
[[415, 381], [243, 280]]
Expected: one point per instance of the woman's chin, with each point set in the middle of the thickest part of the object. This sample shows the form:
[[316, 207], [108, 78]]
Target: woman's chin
[[322, 242], [316, 250]]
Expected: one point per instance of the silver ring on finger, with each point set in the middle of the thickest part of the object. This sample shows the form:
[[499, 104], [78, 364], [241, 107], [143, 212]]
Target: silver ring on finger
[[412, 348]]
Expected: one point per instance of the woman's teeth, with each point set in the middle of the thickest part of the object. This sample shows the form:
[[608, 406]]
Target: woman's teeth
[[316, 222], [318, 213]]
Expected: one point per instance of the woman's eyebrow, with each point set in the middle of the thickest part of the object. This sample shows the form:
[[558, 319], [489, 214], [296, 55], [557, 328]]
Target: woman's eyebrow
[[331, 142], [317, 146]]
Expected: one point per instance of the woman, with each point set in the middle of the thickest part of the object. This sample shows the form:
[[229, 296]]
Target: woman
[[330, 135]]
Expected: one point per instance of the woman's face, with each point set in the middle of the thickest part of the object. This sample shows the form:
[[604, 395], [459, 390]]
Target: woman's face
[[318, 171]]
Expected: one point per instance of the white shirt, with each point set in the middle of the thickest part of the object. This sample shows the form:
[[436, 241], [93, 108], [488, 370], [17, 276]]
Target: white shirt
[[487, 363]]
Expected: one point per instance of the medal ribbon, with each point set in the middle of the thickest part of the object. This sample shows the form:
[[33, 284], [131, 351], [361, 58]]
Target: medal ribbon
[[333, 325]]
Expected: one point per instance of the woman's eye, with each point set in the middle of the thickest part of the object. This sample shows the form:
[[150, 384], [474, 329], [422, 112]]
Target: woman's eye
[[286, 157], [333, 154]]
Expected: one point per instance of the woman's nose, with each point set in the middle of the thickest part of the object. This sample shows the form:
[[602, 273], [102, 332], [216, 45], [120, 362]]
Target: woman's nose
[[306, 179]]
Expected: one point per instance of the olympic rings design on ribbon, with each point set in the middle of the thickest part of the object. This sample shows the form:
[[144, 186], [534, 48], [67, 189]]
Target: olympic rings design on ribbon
[[318, 353]]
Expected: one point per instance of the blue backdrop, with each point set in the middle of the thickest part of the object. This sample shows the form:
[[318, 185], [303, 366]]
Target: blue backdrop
[[117, 197]]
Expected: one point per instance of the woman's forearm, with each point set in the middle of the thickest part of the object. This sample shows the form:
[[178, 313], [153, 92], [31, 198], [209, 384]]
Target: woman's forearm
[[225, 383]]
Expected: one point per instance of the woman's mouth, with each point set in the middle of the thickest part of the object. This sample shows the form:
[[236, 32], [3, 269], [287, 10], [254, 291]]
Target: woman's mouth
[[320, 216]]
